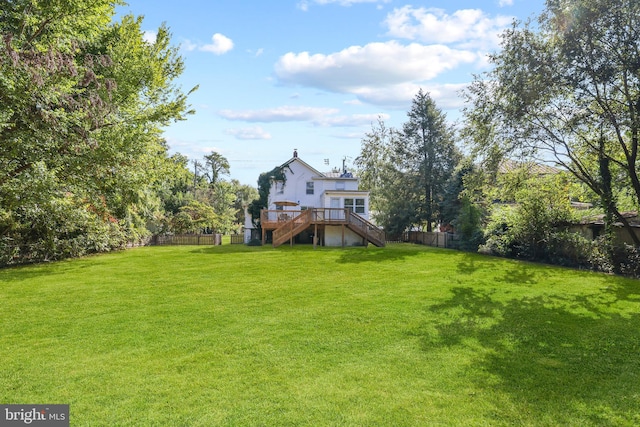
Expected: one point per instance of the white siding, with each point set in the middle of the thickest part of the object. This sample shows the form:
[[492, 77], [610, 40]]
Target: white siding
[[333, 237], [348, 195], [299, 173]]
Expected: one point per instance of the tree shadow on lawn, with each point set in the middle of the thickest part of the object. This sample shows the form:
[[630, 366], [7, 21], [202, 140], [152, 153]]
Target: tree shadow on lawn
[[516, 272], [230, 249], [27, 272], [351, 254], [367, 254], [565, 359]]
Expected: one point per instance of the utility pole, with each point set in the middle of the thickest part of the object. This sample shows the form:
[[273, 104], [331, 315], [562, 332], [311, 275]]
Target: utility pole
[[196, 167]]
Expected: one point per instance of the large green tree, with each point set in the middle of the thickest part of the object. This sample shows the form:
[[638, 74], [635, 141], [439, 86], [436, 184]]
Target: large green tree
[[378, 173], [406, 170], [567, 88], [82, 103], [215, 165], [427, 156]]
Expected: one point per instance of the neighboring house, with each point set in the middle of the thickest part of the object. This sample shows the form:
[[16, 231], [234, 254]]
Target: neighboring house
[[592, 227], [320, 208]]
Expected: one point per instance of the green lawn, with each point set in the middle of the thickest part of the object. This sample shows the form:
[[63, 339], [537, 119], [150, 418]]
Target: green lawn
[[248, 336]]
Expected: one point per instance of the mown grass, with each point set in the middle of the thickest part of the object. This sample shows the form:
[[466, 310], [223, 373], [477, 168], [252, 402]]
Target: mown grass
[[404, 335]]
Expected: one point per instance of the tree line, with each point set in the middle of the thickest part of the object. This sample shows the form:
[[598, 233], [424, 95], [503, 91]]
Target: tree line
[[563, 90], [83, 166]]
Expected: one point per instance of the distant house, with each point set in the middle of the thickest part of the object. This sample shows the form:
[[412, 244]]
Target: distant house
[[594, 226], [309, 206]]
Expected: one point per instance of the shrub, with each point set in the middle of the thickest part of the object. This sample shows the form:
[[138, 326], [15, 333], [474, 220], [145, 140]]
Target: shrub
[[254, 242], [58, 228], [498, 238], [630, 261], [468, 225], [600, 255], [569, 249]]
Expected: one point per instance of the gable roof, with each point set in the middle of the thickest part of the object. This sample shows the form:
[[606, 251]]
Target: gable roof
[[303, 163], [333, 175], [339, 175]]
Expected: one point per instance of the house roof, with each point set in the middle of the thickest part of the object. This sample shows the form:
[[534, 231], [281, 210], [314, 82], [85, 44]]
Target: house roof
[[631, 217], [319, 175], [339, 175], [295, 158]]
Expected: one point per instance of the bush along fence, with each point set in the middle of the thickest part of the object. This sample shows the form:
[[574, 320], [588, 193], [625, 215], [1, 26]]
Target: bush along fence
[[187, 239]]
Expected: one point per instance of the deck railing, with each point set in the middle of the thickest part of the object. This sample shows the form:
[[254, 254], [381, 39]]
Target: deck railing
[[366, 229], [287, 224], [328, 215], [274, 218]]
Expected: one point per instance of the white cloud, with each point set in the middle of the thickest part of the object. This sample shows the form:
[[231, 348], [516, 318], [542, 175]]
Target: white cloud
[[503, 3], [221, 44], [400, 96], [325, 117], [376, 64], [250, 133], [350, 121], [279, 114], [256, 53], [188, 45], [464, 28], [391, 73], [149, 36], [304, 4]]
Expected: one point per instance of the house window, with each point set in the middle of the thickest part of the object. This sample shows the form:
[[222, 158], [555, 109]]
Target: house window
[[340, 185], [355, 205], [310, 187], [279, 187]]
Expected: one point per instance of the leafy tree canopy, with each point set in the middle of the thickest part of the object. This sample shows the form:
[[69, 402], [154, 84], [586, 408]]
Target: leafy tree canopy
[[567, 89], [406, 171], [82, 103]]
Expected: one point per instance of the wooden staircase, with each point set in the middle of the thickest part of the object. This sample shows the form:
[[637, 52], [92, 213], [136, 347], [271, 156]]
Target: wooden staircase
[[289, 229], [365, 229]]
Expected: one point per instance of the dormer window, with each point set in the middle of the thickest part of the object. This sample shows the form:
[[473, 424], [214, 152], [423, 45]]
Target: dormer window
[[309, 187]]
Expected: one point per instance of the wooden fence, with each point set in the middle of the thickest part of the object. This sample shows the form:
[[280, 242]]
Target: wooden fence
[[187, 239], [437, 239], [237, 239]]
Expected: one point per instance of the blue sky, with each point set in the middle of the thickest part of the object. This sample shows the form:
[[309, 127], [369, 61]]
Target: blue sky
[[315, 74]]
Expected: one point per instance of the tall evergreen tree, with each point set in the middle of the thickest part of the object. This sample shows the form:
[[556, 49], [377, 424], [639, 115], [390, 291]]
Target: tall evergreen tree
[[406, 171], [427, 155], [215, 165]]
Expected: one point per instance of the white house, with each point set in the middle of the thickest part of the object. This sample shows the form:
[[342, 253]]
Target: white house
[[338, 211]]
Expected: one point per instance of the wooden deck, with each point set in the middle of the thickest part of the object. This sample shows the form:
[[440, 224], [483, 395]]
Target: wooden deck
[[272, 219], [286, 224]]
